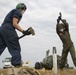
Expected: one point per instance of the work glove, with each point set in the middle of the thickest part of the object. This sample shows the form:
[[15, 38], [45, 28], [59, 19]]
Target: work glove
[[26, 32], [29, 31], [59, 18]]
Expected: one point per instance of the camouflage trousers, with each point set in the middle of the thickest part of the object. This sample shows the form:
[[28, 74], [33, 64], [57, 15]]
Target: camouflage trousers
[[65, 52]]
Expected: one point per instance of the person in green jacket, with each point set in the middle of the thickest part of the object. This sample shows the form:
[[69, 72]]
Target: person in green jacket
[[62, 30]]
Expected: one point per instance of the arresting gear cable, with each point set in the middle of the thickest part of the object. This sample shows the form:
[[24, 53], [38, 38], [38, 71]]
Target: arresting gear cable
[[27, 71]]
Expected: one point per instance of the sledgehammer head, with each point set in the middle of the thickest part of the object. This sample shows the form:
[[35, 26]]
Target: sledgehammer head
[[31, 30]]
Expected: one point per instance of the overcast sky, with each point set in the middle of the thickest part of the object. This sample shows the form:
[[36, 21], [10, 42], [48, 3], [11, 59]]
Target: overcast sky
[[41, 15]]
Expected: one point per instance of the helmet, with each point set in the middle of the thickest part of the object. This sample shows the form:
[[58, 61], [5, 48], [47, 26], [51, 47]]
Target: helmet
[[21, 6]]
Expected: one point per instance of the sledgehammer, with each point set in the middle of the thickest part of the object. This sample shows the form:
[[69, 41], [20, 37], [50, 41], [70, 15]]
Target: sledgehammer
[[31, 31]]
